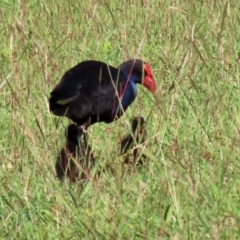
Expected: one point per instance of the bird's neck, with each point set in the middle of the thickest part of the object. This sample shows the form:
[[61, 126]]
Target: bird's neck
[[129, 93]]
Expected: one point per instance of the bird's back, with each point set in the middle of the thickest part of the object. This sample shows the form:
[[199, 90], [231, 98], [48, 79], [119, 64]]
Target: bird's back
[[85, 89]]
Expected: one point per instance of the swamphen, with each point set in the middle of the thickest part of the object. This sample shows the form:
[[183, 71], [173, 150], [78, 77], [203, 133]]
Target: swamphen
[[76, 160], [136, 137], [93, 91]]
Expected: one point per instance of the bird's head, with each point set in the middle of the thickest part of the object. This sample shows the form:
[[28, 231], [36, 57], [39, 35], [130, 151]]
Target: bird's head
[[140, 72]]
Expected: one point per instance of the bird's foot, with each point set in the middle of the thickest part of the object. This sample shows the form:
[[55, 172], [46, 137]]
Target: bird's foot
[[84, 126], [83, 129]]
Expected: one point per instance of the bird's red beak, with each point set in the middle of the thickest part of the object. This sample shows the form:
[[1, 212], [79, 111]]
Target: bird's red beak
[[148, 81]]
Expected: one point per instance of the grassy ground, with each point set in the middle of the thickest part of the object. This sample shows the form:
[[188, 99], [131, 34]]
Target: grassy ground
[[190, 186]]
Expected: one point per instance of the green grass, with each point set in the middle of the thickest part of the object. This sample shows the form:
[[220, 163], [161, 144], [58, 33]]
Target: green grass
[[189, 189]]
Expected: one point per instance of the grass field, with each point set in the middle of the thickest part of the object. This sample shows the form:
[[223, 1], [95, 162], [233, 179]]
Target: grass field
[[190, 186]]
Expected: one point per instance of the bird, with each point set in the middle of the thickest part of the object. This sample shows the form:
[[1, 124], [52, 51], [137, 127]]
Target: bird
[[76, 159], [93, 91], [137, 136]]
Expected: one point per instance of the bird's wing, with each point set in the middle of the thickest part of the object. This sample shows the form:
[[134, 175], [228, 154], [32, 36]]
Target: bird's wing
[[89, 88]]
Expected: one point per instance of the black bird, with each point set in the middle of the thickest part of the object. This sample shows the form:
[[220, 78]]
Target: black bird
[[136, 137], [75, 160], [93, 91]]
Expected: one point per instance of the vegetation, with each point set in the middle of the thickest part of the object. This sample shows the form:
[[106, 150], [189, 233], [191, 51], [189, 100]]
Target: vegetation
[[189, 188]]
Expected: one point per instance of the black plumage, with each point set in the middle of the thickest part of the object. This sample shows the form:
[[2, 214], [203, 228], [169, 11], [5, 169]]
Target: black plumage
[[137, 136], [93, 91], [75, 161]]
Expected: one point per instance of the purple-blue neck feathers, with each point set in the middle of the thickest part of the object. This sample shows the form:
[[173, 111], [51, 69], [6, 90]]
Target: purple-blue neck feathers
[[133, 72], [129, 94]]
